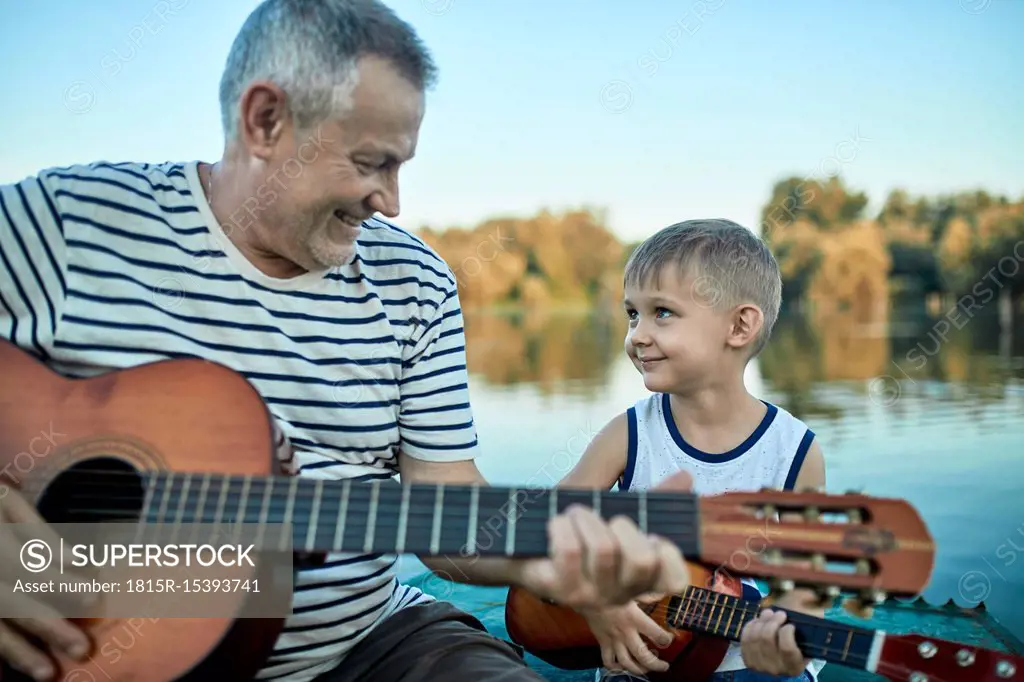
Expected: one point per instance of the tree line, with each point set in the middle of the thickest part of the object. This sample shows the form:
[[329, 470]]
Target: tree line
[[833, 255]]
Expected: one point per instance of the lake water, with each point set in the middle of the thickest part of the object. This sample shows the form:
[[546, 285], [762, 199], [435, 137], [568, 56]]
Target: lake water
[[901, 409]]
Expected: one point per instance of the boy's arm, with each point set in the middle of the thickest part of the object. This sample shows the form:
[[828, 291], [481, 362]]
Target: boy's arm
[[604, 460], [812, 473]]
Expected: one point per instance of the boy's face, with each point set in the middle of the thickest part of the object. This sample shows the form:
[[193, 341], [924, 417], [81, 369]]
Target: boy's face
[[677, 338]]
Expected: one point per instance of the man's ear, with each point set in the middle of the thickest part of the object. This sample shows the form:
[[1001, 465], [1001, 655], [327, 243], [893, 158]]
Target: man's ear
[[745, 324]]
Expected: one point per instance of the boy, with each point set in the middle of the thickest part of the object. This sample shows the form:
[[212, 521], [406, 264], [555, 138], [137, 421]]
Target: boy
[[702, 297]]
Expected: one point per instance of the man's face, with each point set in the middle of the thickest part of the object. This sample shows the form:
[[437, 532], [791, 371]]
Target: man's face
[[332, 178]]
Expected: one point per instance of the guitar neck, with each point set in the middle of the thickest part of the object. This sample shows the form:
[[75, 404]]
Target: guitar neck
[[385, 517], [722, 615]]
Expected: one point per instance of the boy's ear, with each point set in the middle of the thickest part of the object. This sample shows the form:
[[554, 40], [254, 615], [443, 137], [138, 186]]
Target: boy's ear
[[746, 322]]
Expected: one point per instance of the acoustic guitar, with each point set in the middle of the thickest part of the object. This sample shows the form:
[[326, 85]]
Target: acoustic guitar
[[190, 441], [711, 614]]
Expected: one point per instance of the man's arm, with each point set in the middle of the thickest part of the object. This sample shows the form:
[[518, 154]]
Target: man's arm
[[468, 569], [33, 264]]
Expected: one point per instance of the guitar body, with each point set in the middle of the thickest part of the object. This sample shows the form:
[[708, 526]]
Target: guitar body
[[179, 415], [561, 637]]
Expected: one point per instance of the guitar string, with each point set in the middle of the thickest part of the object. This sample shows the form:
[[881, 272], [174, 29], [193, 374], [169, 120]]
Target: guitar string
[[173, 477], [703, 621], [220, 479], [663, 503]]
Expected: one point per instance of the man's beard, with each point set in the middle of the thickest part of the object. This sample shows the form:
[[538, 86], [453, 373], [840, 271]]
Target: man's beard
[[329, 254], [319, 246]]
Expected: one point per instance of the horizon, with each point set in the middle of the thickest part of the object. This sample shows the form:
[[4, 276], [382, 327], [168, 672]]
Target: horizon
[[555, 109]]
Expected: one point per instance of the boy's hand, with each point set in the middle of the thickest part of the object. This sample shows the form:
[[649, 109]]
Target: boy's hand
[[768, 646], [618, 630]]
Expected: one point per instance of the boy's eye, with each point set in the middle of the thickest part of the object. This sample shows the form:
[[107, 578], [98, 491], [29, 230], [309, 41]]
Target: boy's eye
[[666, 311], [631, 314]]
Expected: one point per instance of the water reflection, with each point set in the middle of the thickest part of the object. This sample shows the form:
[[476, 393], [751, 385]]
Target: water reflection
[[556, 351], [574, 352]]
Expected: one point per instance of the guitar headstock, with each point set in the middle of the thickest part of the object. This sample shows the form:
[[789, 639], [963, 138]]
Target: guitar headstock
[[915, 658], [873, 547]]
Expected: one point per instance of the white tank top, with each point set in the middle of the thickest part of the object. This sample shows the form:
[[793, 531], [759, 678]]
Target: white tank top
[[770, 457]]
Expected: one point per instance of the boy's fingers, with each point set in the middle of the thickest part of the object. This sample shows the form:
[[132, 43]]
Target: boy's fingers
[[793, 657], [643, 655]]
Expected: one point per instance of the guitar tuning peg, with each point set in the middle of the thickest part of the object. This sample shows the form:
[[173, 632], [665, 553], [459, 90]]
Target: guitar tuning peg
[[784, 586], [811, 514], [818, 562], [857, 608], [854, 516], [826, 595]]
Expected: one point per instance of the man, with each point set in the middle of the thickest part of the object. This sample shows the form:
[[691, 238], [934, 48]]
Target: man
[[270, 262]]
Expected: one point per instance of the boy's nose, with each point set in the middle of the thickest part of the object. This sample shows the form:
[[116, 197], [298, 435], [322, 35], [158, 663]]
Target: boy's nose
[[640, 336]]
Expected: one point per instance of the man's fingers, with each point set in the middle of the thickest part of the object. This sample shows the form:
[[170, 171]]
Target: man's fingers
[[673, 574], [17, 651], [41, 620], [638, 566], [601, 552], [18, 510], [565, 549], [650, 597]]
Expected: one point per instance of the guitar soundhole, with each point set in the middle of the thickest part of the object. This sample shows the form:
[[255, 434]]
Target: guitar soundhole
[[92, 491]]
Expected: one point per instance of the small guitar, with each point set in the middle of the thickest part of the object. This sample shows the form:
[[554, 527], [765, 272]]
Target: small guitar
[[705, 620], [188, 441]]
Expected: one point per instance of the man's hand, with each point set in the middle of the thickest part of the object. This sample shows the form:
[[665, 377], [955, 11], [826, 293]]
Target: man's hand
[[591, 563], [620, 631], [46, 623], [594, 564]]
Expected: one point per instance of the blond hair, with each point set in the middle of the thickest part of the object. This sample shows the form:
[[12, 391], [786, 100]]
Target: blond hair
[[729, 264]]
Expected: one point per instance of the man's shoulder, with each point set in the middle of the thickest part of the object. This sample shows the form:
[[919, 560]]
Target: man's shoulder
[[396, 253], [142, 189], [112, 176]]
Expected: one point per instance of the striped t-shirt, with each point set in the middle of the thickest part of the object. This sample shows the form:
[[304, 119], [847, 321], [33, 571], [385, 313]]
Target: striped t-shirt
[[113, 265]]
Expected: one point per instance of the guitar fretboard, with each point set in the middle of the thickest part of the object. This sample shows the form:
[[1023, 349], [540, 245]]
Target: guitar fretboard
[[385, 517], [722, 615]]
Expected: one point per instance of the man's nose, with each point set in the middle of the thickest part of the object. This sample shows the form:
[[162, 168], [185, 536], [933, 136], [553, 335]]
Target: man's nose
[[385, 199]]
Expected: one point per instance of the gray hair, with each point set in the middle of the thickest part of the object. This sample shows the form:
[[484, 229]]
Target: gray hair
[[309, 48], [730, 265]]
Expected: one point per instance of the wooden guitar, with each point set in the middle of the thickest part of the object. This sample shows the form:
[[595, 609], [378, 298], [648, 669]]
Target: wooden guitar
[[710, 615], [187, 441]]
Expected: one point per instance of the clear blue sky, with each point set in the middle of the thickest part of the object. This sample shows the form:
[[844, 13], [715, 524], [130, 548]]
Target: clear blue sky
[[917, 93]]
